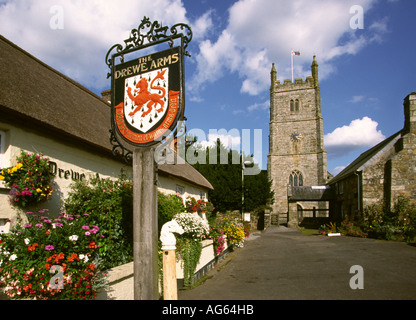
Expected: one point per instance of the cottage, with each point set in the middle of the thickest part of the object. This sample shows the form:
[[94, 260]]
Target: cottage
[[384, 172], [42, 110]]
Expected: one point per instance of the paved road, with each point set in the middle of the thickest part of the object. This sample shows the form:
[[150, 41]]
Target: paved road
[[282, 263]]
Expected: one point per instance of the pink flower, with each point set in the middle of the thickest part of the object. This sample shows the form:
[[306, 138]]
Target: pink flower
[[87, 233], [49, 247], [85, 227]]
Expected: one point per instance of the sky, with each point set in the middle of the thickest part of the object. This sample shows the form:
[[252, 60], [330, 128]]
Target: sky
[[365, 50]]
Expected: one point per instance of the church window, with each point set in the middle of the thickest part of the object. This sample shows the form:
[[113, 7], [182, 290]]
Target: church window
[[296, 179], [294, 105]]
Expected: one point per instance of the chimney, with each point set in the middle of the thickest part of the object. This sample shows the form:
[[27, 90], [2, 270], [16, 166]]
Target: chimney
[[106, 95], [410, 113]]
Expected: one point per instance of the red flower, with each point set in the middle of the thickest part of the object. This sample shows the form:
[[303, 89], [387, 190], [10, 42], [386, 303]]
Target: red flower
[[59, 257], [27, 287], [92, 245], [73, 257], [32, 247]]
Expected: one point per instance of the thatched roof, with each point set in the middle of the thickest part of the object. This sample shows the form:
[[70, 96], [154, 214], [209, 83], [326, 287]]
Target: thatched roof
[[184, 172], [38, 96], [32, 90]]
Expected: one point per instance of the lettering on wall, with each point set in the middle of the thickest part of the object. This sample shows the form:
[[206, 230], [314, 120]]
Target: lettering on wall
[[66, 173]]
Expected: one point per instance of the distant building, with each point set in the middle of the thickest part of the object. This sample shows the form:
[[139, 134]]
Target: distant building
[[42, 110], [297, 160], [296, 142], [383, 172]]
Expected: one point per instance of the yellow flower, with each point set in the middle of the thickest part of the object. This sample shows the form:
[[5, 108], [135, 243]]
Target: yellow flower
[[1, 178], [38, 190]]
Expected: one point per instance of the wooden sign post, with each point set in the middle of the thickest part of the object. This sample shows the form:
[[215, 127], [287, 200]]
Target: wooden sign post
[[146, 269], [170, 289], [147, 101]]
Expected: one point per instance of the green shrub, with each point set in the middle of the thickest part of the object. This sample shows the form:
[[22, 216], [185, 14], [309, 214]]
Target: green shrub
[[350, 228], [167, 207], [108, 203], [396, 224]]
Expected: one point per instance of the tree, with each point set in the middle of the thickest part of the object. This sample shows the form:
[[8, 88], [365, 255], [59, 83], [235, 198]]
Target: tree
[[222, 168], [257, 190]]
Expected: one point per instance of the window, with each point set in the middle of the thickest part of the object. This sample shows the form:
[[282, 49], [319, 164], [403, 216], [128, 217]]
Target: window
[[296, 179], [341, 187], [202, 195], [180, 190], [294, 105], [2, 225]]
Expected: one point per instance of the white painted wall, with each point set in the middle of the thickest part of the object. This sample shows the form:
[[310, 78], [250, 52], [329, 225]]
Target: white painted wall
[[71, 162]]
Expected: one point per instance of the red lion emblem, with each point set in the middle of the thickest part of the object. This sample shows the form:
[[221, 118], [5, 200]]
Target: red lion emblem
[[144, 96]]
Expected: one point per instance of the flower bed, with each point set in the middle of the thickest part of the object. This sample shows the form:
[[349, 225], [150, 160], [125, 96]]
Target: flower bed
[[50, 258]]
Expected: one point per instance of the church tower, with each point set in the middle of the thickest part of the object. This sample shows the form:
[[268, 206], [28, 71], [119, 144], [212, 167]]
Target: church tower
[[296, 140]]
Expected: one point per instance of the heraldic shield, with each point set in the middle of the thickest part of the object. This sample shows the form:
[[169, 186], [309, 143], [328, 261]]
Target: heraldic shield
[[147, 96]]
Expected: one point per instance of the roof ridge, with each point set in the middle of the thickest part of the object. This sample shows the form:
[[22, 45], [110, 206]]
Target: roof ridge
[[364, 156]]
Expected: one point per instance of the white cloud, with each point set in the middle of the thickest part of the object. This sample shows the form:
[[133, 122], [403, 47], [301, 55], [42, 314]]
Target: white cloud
[[202, 25], [338, 169], [262, 31], [360, 133], [90, 28], [228, 140], [258, 32], [356, 99], [259, 106]]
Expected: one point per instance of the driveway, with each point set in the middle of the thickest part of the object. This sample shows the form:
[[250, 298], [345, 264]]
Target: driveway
[[282, 263]]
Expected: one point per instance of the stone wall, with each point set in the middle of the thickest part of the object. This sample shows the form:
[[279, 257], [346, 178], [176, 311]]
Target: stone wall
[[388, 172], [120, 284], [403, 163]]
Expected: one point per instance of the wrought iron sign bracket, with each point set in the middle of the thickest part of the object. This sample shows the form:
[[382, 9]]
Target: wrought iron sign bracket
[[147, 34], [156, 34]]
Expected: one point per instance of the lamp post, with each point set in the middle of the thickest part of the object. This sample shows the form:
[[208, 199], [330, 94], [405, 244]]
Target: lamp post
[[243, 166]]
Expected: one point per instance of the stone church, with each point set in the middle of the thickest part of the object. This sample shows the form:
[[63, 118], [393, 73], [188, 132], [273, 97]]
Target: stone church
[[297, 160], [296, 140]]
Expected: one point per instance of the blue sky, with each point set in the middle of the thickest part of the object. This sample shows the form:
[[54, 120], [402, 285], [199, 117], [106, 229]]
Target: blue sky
[[364, 73]]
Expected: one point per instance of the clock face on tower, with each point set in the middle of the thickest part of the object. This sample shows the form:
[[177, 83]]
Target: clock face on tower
[[295, 136]]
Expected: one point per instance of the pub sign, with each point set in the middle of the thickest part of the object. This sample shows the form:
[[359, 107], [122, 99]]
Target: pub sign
[[147, 96]]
